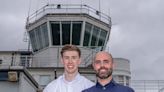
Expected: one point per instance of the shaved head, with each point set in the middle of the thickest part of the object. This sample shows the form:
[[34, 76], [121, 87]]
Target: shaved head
[[102, 53], [103, 65]]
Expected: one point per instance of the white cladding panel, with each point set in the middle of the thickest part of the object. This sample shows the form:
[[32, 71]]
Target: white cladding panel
[[22, 85], [6, 86], [8, 57], [46, 58], [25, 84], [122, 67], [50, 57]]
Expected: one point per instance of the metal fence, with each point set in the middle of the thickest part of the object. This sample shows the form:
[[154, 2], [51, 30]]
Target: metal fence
[[147, 85], [51, 58]]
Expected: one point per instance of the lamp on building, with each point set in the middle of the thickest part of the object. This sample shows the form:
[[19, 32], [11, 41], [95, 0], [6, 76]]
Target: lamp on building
[[58, 6], [0, 61], [12, 76], [97, 12]]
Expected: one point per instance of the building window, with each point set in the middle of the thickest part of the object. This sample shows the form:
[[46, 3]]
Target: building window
[[45, 39], [121, 79], [94, 36], [87, 34], [76, 33], [66, 32], [39, 37], [127, 81], [102, 38], [3, 76], [0, 61], [55, 31], [44, 80], [33, 40]]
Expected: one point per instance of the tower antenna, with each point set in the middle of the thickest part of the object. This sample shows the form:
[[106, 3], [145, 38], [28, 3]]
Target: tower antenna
[[48, 2], [100, 9], [99, 6], [29, 8]]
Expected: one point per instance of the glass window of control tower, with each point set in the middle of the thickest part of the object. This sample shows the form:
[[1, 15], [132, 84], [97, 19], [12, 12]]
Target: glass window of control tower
[[76, 32], [87, 34], [95, 34], [42, 36], [33, 40], [102, 37], [55, 31], [45, 35], [39, 37], [66, 32]]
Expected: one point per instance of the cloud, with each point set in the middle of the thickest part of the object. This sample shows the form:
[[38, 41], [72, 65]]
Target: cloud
[[137, 35], [137, 30], [12, 25]]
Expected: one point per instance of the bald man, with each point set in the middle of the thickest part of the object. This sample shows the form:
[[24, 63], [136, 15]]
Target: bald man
[[103, 66]]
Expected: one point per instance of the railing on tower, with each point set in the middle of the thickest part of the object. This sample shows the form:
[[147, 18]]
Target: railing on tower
[[50, 60], [67, 9]]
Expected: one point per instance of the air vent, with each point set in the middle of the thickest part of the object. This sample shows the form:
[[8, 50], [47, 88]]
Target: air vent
[[12, 76]]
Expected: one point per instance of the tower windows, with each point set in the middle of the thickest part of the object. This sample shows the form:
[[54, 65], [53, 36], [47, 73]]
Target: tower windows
[[55, 31], [87, 34], [39, 37], [94, 36], [66, 32], [76, 32]]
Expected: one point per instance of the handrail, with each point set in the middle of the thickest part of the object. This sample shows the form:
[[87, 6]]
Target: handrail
[[48, 60], [58, 8], [88, 60]]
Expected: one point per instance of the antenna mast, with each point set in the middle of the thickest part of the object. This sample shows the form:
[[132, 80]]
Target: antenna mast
[[100, 9]]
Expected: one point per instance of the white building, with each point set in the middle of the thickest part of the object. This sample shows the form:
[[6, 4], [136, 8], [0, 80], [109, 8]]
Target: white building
[[44, 75], [122, 72], [16, 79]]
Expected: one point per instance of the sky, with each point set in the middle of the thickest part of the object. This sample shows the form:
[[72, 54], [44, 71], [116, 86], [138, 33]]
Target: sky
[[137, 30]]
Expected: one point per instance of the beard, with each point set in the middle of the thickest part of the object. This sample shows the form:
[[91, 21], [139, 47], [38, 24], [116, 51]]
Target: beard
[[104, 73]]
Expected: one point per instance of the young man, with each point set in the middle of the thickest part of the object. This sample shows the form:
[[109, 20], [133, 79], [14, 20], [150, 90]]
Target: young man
[[71, 80], [103, 65]]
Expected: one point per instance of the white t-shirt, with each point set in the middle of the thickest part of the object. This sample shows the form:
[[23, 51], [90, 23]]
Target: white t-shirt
[[61, 85]]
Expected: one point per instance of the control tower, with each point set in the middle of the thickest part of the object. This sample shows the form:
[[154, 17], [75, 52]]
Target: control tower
[[55, 25]]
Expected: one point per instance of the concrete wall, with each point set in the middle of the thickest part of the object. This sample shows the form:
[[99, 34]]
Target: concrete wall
[[6, 86], [122, 66], [25, 84], [17, 79]]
